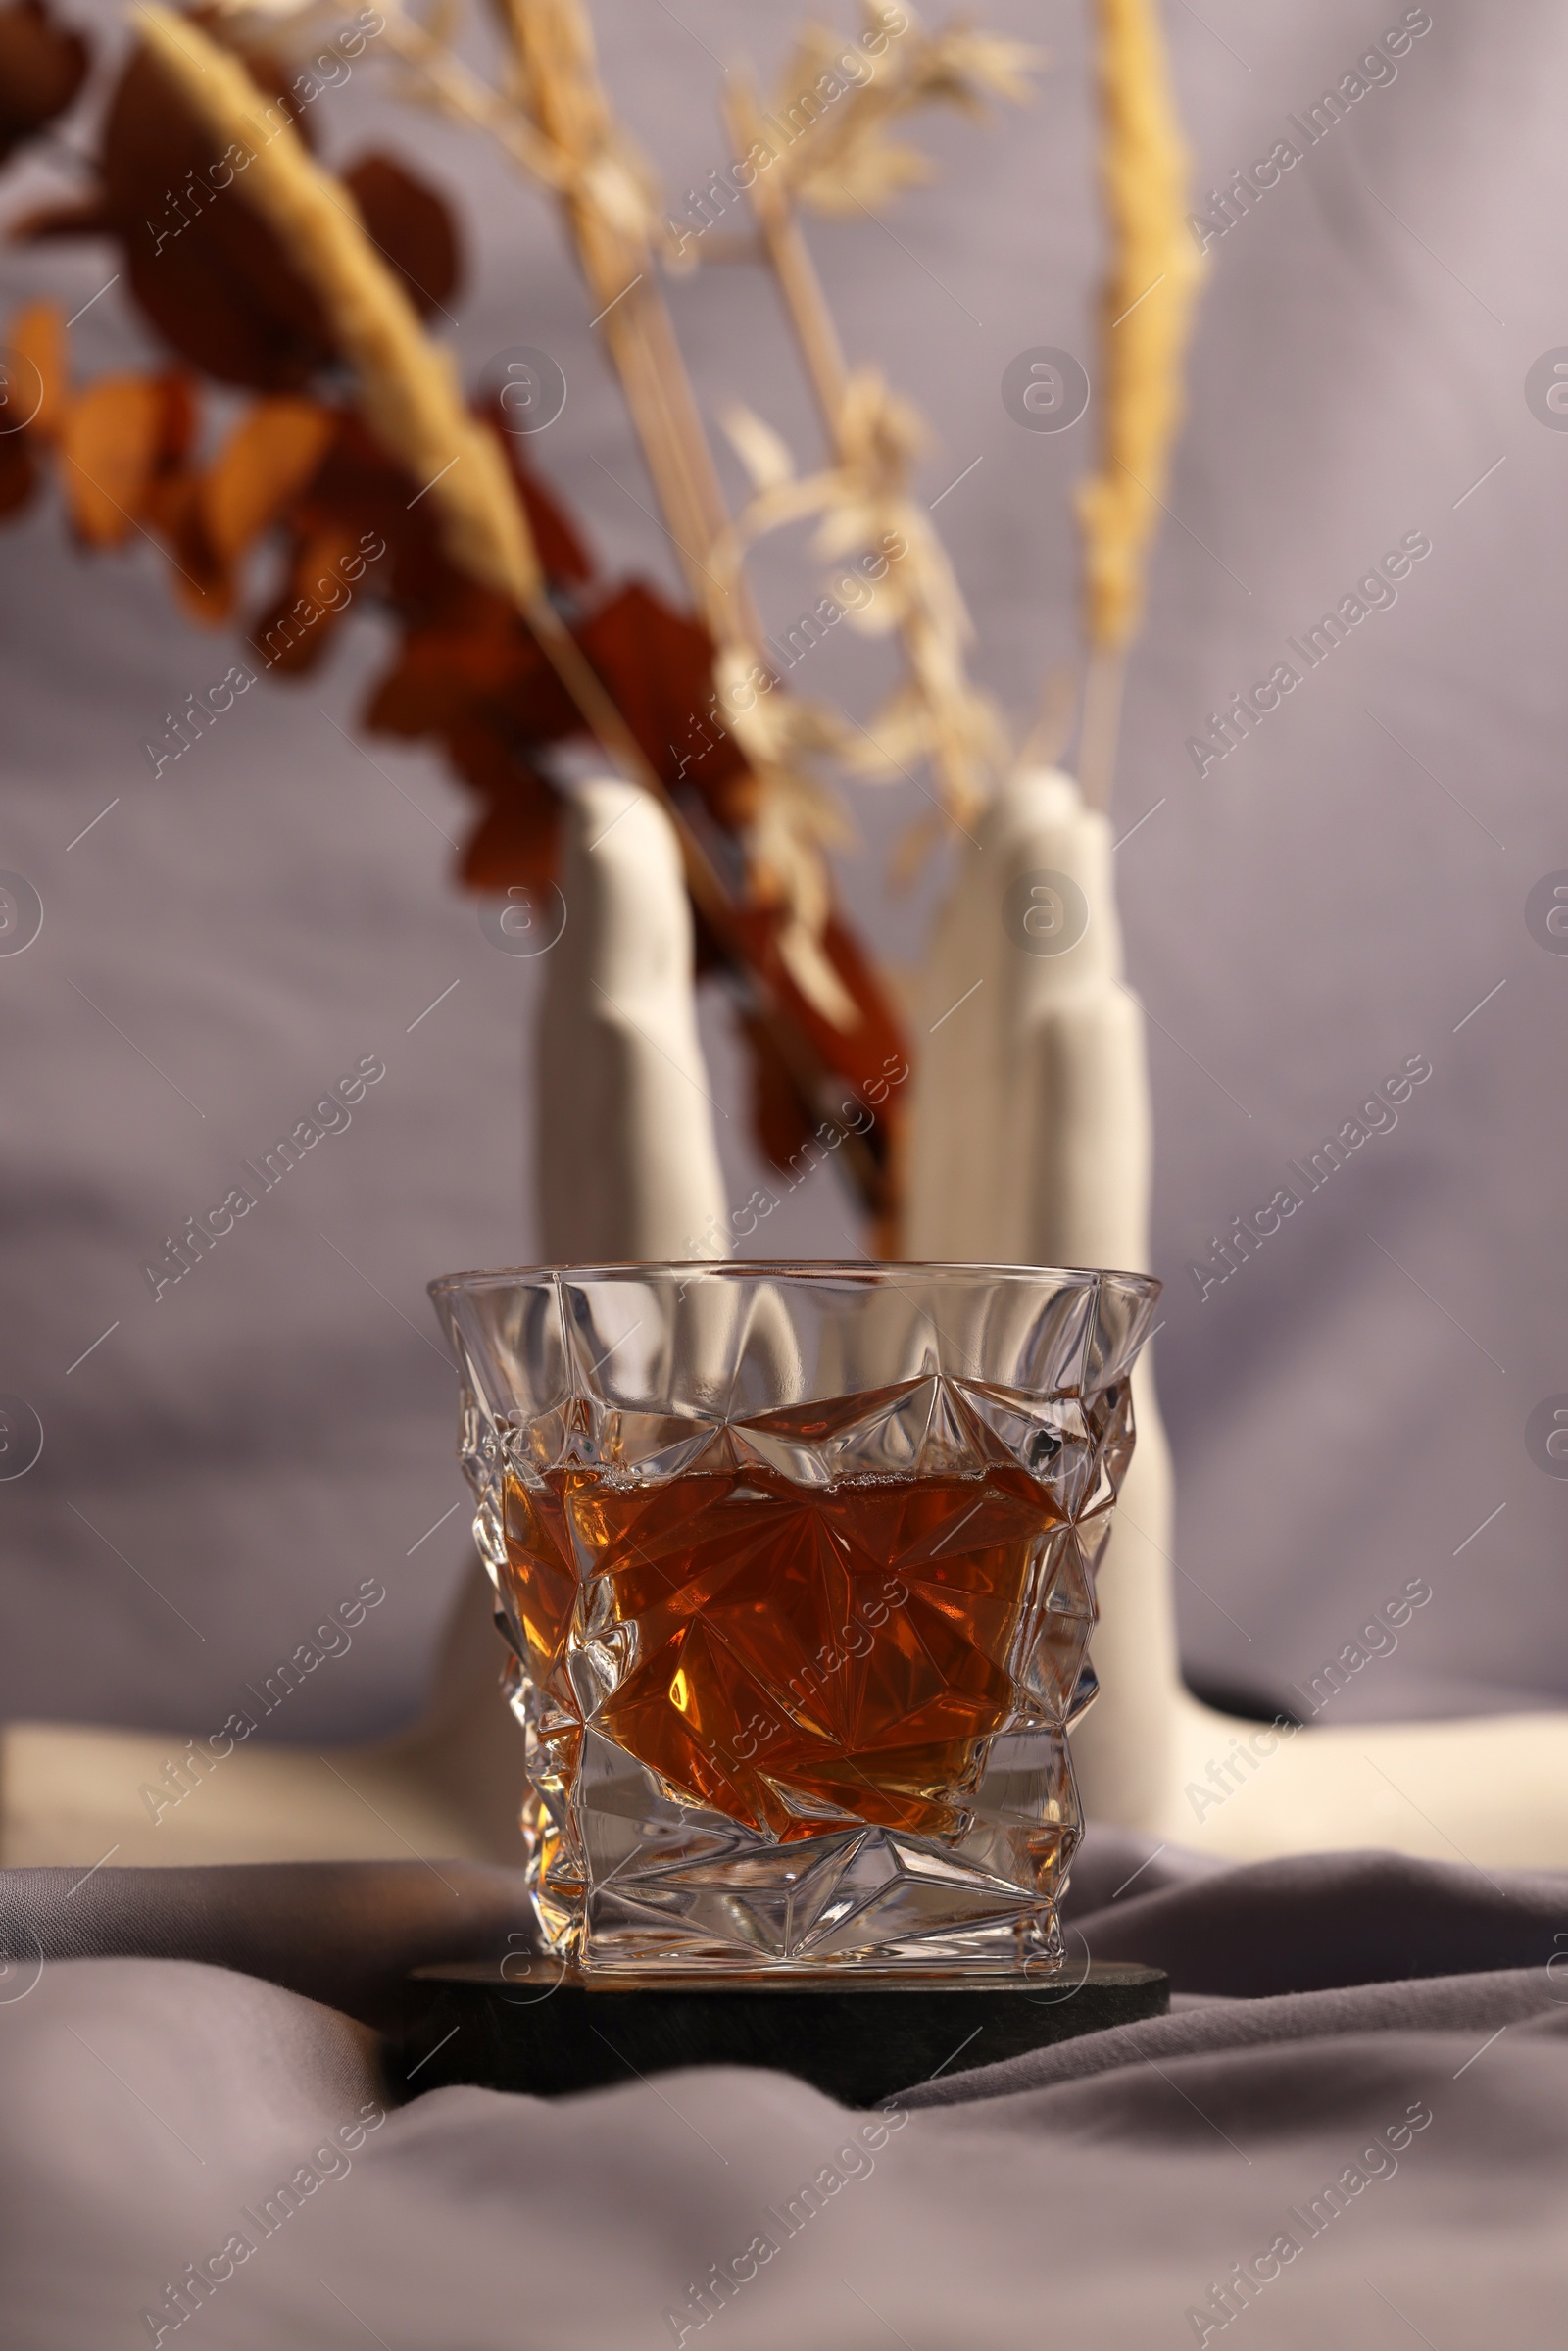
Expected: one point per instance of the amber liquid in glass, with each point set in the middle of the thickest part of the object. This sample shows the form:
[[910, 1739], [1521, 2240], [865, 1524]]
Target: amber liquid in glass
[[787, 1655]]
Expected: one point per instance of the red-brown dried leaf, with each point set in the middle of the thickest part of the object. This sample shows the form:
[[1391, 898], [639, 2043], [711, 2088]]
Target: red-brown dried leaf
[[412, 227], [658, 668], [42, 66], [295, 631], [781, 1120], [516, 842], [867, 1057], [562, 555], [18, 473], [876, 1050], [358, 485], [486, 664], [177, 432], [80, 217], [203, 264], [356, 481], [861, 1069]]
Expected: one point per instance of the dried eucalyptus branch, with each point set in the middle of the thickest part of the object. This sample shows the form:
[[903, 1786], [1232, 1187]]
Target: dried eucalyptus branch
[[408, 388]]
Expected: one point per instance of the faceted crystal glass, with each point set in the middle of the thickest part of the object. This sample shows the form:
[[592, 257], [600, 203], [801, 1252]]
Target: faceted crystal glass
[[796, 1567]]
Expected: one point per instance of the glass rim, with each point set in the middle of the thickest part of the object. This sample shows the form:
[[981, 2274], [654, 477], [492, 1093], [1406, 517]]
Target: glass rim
[[868, 1271]]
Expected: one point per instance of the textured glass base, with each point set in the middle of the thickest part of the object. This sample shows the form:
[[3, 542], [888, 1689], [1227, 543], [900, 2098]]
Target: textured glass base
[[714, 1898], [796, 1680]]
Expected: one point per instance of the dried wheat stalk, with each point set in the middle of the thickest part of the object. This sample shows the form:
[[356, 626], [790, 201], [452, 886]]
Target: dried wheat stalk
[[1145, 309], [613, 214]]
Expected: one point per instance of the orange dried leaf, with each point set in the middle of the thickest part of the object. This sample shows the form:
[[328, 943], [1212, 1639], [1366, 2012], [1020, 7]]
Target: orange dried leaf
[[111, 440], [265, 464], [36, 336]]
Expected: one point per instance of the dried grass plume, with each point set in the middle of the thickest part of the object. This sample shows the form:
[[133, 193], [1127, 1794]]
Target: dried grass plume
[[1145, 309]]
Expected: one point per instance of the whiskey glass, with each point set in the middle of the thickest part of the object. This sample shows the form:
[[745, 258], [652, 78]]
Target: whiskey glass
[[796, 1563]]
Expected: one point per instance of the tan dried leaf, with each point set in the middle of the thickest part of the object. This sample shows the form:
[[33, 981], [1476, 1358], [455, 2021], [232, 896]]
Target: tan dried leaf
[[761, 450], [869, 175], [787, 870], [843, 159], [805, 959], [897, 736], [912, 848]]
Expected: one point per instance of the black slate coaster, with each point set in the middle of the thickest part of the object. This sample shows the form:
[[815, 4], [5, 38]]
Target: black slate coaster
[[859, 2040]]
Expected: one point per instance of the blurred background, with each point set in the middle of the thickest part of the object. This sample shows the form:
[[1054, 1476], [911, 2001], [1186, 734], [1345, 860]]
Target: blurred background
[[1344, 891]]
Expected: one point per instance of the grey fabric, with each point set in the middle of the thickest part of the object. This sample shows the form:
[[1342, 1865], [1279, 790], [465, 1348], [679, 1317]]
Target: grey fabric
[[1320, 1919], [1099, 2192], [233, 1460], [346, 1932], [151, 2108]]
